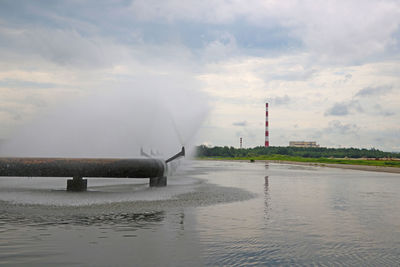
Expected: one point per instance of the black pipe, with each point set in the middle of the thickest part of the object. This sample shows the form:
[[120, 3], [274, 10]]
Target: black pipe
[[178, 155], [66, 167]]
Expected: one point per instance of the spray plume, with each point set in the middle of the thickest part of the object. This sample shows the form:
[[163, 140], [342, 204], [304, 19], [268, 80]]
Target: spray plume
[[160, 114]]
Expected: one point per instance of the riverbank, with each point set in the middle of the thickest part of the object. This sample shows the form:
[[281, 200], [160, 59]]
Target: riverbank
[[347, 165], [343, 166]]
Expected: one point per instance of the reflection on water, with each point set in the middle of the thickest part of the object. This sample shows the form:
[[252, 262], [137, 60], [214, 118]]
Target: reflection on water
[[235, 214], [266, 194], [266, 198], [125, 221], [134, 219]]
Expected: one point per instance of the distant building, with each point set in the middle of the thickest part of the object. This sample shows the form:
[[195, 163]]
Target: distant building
[[303, 144]]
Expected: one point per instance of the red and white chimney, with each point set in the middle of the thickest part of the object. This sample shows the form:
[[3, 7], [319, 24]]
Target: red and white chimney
[[266, 126]]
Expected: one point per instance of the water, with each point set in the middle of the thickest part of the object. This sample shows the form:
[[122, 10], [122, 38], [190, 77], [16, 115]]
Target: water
[[211, 213]]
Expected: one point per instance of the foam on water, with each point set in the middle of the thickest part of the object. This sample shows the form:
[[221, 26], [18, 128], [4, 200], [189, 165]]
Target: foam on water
[[51, 191], [48, 191]]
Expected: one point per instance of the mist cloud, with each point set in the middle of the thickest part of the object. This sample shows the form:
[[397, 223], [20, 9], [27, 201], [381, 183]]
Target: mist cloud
[[153, 114]]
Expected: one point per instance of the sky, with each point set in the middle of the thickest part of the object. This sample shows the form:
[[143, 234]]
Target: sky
[[329, 69]]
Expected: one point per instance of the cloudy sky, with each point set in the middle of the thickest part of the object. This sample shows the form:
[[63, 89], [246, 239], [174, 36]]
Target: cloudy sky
[[329, 69]]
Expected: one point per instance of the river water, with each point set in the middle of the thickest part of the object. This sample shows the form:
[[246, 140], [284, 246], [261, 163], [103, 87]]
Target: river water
[[211, 213]]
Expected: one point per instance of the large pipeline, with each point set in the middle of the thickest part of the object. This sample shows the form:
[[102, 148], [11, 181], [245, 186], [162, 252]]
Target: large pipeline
[[79, 168], [73, 167], [152, 168]]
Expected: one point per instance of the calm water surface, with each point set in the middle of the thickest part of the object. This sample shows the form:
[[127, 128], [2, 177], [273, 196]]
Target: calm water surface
[[211, 213]]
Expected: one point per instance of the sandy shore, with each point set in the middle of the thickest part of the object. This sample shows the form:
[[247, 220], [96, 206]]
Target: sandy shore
[[342, 166]]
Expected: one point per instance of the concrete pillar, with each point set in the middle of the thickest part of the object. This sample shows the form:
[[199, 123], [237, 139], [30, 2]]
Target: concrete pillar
[[77, 184], [158, 181]]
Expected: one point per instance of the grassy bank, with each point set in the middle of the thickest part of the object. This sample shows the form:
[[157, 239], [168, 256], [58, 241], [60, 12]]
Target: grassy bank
[[383, 163]]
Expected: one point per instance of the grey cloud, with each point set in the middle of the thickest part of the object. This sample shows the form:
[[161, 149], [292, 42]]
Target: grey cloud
[[280, 100], [388, 138], [18, 110], [338, 109], [387, 113], [248, 136], [344, 108], [330, 34], [371, 91], [344, 78], [380, 111], [350, 37], [316, 135], [297, 75], [337, 127], [240, 123], [13, 113], [63, 47], [13, 83], [35, 100]]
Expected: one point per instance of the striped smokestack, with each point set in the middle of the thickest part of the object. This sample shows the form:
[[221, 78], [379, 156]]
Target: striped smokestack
[[266, 126]]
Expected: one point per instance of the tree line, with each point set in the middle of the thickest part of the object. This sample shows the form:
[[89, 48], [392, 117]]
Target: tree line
[[307, 152]]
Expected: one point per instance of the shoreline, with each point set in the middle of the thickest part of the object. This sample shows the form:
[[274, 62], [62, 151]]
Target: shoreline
[[341, 166], [395, 170]]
